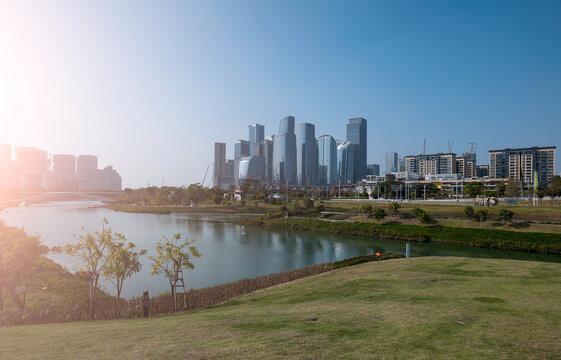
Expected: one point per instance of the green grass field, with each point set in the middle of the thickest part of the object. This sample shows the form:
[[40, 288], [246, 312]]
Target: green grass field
[[423, 308]]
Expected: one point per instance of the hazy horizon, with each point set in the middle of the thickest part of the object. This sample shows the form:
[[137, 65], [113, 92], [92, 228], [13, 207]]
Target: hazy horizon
[[149, 87]]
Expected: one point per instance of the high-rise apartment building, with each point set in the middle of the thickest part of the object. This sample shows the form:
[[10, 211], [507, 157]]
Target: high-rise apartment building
[[356, 133], [392, 164], [64, 169], [327, 160], [465, 167], [284, 153], [306, 154], [520, 164], [432, 164], [86, 169], [219, 162], [256, 136], [346, 162]]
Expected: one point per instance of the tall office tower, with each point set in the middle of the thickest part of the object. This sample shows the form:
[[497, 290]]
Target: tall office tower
[[373, 169], [520, 164], [64, 169], [86, 168], [251, 167], [284, 153], [5, 154], [392, 164], [241, 148], [306, 154], [219, 163], [346, 162], [356, 133], [431, 164], [31, 166], [266, 151], [327, 160], [256, 136]]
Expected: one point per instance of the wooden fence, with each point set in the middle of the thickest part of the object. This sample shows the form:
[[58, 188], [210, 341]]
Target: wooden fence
[[158, 306]]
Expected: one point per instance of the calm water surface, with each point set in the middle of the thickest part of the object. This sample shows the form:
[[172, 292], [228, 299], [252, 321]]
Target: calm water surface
[[230, 252]]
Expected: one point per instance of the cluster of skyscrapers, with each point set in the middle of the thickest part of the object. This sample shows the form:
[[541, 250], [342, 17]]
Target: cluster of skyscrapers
[[294, 156], [33, 169]]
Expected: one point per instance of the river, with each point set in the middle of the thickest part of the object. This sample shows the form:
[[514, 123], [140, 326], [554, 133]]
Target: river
[[229, 252]]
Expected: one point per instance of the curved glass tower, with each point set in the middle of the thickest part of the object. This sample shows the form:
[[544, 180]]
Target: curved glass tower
[[306, 154], [327, 160], [284, 153], [252, 167], [346, 162]]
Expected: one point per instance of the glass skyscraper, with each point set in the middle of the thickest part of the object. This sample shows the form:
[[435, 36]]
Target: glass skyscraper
[[391, 162], [284, 153], [256, 136], [356, 133], [306, 154], [346, 162], [327, 160]]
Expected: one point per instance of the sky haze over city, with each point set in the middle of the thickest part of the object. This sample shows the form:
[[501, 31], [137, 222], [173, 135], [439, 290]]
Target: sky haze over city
[[149, 86]]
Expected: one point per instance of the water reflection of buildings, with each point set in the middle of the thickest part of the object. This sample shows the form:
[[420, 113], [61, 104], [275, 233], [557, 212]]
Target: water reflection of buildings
[[33, 169]]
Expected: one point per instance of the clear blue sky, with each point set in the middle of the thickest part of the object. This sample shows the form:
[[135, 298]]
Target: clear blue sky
[[149, 86]]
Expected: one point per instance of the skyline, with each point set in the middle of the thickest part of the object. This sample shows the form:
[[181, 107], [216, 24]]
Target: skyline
[[157, 81]]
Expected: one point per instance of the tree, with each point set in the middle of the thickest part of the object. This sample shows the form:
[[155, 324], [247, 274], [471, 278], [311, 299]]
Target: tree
[[92, 250], [195, 193], [473, 189], [501, 188], [540, 193], [481, 214], [554, 189], [122, 262], [468, 210], [19, 252], [394, 207], [379, 214], [174, 255], [512, 188], [505, 215]]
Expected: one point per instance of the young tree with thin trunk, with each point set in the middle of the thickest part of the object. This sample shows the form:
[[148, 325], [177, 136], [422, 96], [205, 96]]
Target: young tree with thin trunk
[[173, 255], [92, 250], [18, 253], [122, 261]]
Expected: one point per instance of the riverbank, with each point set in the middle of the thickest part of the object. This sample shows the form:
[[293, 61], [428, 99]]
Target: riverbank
[[419, 308], [198, 209], [495, 239]]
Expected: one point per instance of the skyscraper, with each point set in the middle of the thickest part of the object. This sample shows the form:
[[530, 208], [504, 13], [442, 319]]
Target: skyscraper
[[256, 136], [219, 162], [86, 169], [391, 162], [356, 133], [346, 162], [284, 153], [327, 160], [241, 148], [306, 154]]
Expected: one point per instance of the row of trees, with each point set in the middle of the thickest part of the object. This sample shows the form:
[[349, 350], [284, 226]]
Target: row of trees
[[100, 254], [512, 189]]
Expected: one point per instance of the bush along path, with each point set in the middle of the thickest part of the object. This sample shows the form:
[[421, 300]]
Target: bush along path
[[545, 243]]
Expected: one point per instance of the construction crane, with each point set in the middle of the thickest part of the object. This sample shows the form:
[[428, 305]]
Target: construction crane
[[204, 178], [450, 146], [472, 146]]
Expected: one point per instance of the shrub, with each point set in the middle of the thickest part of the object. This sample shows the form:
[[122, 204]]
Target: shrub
[[425, 218], [242, 203], [505, 215], [309, 203], [417, 212], [379, 214], [218, 199], [320, 208], [468, 210], [394, 207], [365, 209]]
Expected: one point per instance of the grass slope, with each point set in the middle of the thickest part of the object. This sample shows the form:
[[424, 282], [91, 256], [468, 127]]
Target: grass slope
[[423, 308]]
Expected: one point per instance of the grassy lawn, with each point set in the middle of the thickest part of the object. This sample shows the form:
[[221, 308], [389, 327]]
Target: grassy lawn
[[491, 225], [424, 308], [523, 212]]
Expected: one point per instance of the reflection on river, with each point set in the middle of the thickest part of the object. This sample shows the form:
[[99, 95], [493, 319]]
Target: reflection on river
[[230, 252]]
